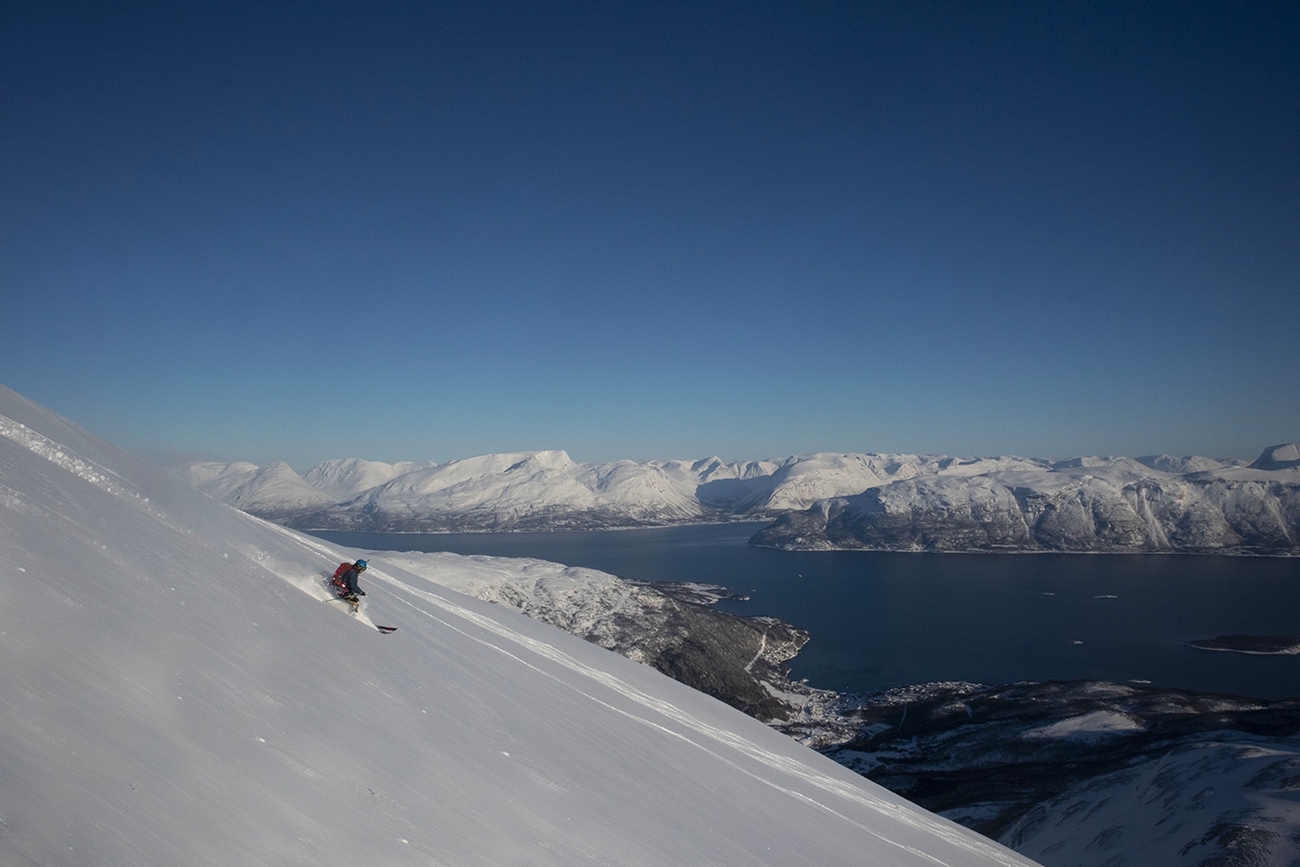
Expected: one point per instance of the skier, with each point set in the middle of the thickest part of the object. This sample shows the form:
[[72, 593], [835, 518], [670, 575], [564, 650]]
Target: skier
[[345, 579]]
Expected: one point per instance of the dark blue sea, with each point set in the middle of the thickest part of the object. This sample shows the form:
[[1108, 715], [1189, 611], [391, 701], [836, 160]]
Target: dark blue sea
[[882, 619]]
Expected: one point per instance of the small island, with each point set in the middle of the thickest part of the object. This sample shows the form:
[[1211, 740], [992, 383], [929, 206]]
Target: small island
[[1262, 644]]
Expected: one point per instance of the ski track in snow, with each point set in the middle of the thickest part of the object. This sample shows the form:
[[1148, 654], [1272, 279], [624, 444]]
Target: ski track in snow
[[762, 646], [723, 737]]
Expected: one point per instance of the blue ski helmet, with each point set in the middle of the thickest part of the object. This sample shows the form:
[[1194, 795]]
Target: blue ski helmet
[[361, 564]]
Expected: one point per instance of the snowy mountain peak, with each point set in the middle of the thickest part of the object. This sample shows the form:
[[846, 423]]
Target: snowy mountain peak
[[200, 474], [1181, 466], [342, 480], [269, 490], [548, 460], [1279, 457]]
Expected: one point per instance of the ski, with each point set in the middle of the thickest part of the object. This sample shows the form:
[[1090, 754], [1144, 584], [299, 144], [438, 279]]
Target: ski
[[387, 630]]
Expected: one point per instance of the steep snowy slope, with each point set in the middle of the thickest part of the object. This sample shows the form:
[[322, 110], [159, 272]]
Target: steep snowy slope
[[177, 692], [1157, 812], [738, 660]]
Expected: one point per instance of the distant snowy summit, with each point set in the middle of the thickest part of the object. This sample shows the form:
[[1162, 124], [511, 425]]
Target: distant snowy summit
[[820, 501], [1283, 457]]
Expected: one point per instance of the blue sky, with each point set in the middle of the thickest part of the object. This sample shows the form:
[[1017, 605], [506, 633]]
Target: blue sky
[[409, 231]]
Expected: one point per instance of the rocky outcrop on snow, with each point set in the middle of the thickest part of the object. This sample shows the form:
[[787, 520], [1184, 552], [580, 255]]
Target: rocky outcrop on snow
[[1080, 505]]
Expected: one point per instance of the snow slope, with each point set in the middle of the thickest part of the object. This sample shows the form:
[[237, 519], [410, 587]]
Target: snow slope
[[1244, 792], [178, 691], [738, 660]]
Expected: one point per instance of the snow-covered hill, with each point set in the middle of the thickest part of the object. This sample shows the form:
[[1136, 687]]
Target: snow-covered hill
[[1092, 774], [1248, 786], [1111, 504], [179, 690], [274, 491], [344, 480], [1280, 457]]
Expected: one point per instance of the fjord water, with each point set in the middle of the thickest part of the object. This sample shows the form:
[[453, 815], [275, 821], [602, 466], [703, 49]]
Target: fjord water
[[880, 619]]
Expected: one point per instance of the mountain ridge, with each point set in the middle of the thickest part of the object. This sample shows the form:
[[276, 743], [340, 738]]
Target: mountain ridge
[[821, 501], [1073, 506]]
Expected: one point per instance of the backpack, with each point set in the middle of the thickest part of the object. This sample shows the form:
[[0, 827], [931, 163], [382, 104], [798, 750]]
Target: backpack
[[337, 580]]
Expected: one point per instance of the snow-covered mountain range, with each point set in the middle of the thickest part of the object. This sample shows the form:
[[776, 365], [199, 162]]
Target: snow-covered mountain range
[[511, 491], [179, 689], [1088, 504], [820, 501]]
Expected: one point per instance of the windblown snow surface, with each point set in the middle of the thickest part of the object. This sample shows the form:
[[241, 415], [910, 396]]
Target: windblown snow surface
[[177, 689]]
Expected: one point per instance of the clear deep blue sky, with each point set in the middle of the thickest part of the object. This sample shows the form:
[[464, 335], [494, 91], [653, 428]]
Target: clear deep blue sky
[[409, 231]]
